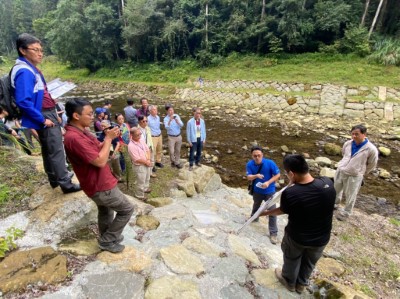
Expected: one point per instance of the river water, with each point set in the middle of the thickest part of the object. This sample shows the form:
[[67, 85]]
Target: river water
[[228, 134]]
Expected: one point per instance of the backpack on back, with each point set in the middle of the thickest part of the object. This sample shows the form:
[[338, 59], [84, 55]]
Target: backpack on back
[[7, 99]]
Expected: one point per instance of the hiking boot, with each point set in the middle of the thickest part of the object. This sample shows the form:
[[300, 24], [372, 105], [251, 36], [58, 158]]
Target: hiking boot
[[282, 280], [300, 288], [113, 247], [273, 239]]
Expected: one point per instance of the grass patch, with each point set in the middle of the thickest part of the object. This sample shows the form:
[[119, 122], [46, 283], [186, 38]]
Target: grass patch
[[367, 290], [394, 221]]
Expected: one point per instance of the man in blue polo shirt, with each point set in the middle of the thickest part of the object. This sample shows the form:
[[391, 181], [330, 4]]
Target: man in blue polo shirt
[[263, 173]]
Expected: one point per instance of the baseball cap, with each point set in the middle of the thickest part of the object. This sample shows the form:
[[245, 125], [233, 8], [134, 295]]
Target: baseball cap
[[99, 110]]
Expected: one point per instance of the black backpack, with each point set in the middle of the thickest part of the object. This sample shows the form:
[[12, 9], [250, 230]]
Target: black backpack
[[7, 100]]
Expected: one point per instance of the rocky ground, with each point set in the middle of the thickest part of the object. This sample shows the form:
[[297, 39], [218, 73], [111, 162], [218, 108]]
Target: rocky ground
[[186, 246]]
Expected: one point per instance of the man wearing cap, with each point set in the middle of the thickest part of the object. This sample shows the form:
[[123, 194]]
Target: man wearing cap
[[39, 110], [99, 118], [173, 125]]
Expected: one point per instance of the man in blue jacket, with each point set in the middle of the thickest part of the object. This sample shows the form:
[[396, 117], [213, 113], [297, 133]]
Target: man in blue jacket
[[196, 137], [38, 110]]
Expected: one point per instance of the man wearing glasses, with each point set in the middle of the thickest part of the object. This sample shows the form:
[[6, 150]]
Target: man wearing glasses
[[39, 110], [263, 173]]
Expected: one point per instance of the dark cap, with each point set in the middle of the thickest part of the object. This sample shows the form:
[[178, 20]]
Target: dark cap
[[167, 106]]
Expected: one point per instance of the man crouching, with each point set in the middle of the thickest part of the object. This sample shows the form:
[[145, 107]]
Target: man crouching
[[89, 160]]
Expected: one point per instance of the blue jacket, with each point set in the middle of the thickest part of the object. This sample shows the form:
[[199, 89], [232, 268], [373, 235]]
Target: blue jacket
[[191, 130], [28, 85]]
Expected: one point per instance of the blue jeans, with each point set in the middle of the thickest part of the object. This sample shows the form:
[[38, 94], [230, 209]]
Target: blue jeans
[[272, 221], [196, 146]]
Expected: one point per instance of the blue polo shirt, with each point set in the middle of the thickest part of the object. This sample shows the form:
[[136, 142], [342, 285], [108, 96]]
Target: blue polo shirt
[[154, 124], [269, 169], [174, 128]]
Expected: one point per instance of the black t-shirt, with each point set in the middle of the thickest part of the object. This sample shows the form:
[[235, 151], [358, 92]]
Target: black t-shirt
[[310, 209]]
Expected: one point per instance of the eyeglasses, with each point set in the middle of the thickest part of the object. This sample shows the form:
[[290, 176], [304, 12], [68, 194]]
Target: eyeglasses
[[36, 50], [256, 156], [144, 121]]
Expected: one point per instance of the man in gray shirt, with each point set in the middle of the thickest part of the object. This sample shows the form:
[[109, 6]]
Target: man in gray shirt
[[130, 114]]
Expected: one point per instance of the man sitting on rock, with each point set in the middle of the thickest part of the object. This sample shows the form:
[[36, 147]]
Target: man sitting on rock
[[309, 202], [360, 157], [89, 160]]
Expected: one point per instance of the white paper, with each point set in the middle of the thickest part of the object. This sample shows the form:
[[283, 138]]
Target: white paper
[[259, 185], [265, 206], [57, 88]]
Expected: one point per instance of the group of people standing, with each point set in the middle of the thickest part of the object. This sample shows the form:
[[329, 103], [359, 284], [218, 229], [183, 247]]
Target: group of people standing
[[308, 201]]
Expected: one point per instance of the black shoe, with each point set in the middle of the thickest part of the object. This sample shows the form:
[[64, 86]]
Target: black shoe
[[173, 164], [154, 169], [113, 247], [53, 185], [119, 239], [179, 166], [160, 165], [73, 188], [70, 174], [198, 164]]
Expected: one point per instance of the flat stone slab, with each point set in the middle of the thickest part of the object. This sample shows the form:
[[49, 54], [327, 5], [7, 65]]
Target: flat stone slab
[[83, 247], [201, 246], [234, 291], [241, 248], [168, 287], [207, 217], [180, 260], [231, 269], [121, 285], [130, 259]]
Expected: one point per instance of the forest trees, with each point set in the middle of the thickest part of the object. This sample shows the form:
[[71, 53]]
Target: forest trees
[[94, 33]]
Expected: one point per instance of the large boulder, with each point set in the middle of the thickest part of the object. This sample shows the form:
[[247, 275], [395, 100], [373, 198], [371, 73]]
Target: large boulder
[[201, 179], [21, 268], [384, 151], [332, 149]]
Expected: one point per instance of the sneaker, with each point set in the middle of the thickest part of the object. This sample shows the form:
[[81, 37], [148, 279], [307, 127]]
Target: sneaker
[[160, 165], [198, 164], [71, 189], [273, 239], [153, 175], [179, 166], [342, 216], [113, 247], [147, 191], [119, 239], [190, 168], [154, 169], [300, 288], [282, 280], [173, 164]]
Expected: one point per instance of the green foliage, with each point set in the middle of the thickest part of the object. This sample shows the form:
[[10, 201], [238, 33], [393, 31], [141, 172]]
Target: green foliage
[[330, 16], [386, 51], [4, 191], [355, 41], [8, 242], [394, 221]]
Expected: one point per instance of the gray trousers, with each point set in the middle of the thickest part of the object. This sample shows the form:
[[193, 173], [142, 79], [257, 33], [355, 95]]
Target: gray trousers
[[108, 202], [142, 179], [273, 220], [298, 261], [53, 152], [350, 186], [174, 147]]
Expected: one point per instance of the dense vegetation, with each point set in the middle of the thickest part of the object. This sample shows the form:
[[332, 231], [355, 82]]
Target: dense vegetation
[[95, 33]]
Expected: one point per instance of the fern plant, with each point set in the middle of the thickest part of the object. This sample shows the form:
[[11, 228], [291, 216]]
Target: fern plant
[[386, 51]]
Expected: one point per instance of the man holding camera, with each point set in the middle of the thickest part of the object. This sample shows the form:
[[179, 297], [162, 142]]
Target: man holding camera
[[89, 159], [173, 125], [263, 173]]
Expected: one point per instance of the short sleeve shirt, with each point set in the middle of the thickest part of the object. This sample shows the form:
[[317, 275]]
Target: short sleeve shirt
[[310, 209], [82, 148], [268, 169]]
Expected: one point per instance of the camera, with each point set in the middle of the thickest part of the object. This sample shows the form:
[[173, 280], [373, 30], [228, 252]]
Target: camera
[[174, 116]]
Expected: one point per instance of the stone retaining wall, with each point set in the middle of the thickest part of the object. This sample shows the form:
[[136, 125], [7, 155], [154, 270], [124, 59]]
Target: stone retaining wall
[[326, 99]]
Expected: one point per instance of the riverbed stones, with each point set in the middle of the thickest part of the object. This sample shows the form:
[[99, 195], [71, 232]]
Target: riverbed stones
[[172, 287], [384, 151], [332, 149], [201, 246], [122, 285], [180, 260], [328, 172], [330, 267], [234, 291], [147, 222], [242, 248], [284, 148], [231, 269], [159, 201], [81, 247], [130, 259], [21, 268], [323, 161], [384, 174]]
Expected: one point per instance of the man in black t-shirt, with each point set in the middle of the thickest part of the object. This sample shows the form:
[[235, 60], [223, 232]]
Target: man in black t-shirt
[[309, 202]]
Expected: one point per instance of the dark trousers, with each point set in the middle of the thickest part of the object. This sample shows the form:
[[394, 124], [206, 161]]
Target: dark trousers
[[196, 147], [108, 202], [298, 261], [122, 162], [272, 221], [53, 153]]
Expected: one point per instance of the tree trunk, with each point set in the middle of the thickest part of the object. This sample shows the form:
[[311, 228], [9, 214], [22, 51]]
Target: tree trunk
[[365, 13], [261, 22], [207, 25], [375, 18], [382, 16]]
